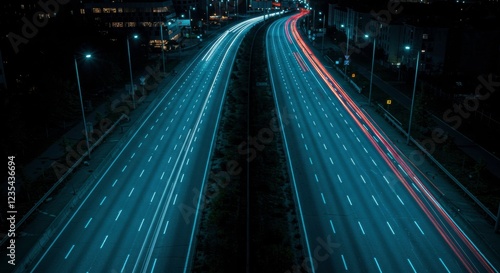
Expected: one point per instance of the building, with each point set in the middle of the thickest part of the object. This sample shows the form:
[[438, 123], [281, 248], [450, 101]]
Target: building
[[117, 19]]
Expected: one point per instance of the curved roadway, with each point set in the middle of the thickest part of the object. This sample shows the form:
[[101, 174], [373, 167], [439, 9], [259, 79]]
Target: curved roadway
[[361, 207], [141, 215]]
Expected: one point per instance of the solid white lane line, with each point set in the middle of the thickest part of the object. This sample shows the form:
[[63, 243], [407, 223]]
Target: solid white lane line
[[391, 228], [67, 254], [349, 199], [132, 190], [378, 266], [106, 238], [140, 226], [102, 201], [323, 197], [447, 270], [331, 224], [152, 197], [120, 212], [343, 260], [125, 263], [88, 222], [374, 200], [411, 265], [361, 227], [421, 231]]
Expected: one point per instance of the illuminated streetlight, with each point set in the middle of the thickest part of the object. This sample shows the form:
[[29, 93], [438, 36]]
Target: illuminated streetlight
[[413, 94], [130, 69], [87, 56]]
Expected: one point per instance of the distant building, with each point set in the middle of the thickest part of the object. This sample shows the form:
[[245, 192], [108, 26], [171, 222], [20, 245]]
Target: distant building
[[118, 19]]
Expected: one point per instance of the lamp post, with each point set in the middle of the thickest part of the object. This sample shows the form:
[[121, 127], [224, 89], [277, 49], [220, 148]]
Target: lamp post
[[324, 33], [130, 69], [371, 75], [413, 95], [87, 56], [347, 49], [190, 25]]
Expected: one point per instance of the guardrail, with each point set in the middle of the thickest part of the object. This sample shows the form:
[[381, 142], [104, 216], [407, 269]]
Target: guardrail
[[395, 122]]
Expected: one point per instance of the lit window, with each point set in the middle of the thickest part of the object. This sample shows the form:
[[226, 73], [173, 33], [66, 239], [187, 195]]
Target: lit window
[[109, 10], [130, 24], [117, 24], [82, 11], [96, 10]]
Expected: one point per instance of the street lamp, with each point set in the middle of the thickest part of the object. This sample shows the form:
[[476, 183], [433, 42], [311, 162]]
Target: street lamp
[[324, 33], [193, 8], [130, 69], [347, 49], [413, 94], [373, 63], [87, 56]]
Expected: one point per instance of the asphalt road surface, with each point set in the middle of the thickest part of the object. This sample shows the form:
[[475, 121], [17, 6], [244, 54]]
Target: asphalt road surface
[[361, 207], [141, 215]]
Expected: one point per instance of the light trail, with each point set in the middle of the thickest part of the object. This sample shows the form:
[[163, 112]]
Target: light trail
[[361, 119]]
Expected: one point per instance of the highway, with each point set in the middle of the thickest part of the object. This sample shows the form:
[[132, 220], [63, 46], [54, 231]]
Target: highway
[[361, 207], [141, 215]]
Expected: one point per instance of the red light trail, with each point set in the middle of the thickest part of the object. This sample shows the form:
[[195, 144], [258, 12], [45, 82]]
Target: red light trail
[[437, 215]]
